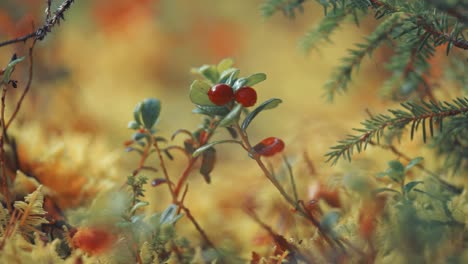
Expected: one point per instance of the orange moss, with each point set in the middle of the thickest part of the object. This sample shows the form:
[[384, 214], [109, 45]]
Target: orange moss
[[66, 184]]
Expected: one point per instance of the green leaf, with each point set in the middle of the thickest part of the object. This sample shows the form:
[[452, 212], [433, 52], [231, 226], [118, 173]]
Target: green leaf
[[232, 78], [9, 69], [137, 136], [167, 216], [381, 174], [379, 190], [209, 72], [203, 148], [413, 163], [211, 110], [329, 220], [150, 110], [199, 93], [410, 185], [396, 166], [136, 113], [232, 117], [133, 125], [137, 206], [225, 64], [255, 78], [228, 76], [239, 83], [269, 104], [208, 162]]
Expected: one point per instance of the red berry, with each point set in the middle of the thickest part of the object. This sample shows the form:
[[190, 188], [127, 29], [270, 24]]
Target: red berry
[[269, 146], [220, 94], [246, 96]]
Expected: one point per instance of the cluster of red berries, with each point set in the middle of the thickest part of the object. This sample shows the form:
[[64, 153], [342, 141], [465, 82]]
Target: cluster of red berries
[[222, 94], [269, 146]]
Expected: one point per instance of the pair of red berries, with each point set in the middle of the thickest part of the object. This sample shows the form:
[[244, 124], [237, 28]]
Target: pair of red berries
[[222, 94], [269, 146]]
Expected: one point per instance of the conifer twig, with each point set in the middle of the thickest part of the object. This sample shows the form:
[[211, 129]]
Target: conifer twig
[[51, 21], [431, 113]]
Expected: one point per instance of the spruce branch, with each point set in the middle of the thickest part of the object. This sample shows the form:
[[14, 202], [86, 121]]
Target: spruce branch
[[428, 20], [50, 22], [323, 30], [425, 115], [452, 8], [341, 76]]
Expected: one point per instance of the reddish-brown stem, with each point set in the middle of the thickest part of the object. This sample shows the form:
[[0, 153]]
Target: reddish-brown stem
[[193, 160], [5, 180], [144, 155], [165, 173], [26, 89], [198, 227], [184, 176]]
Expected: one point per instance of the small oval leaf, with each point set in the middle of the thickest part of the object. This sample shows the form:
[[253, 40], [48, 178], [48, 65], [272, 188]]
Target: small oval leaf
[[228, 75], [199, 93], [150, 110], [208, 162], [211, 110], [413, 163], [133, 125], [209, 72], [10, 67], [410, 185], [225, 64], [232, 77], [268, 104], [158, 181], [203, 148], [137, 206], [136, 113], [232, 117], [255, 78], [168, 214], [239, 83]]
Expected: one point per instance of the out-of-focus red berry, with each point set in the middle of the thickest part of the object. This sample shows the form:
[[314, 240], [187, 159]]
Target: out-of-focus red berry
[[220, 94], [246, 96], [93, 241], [269, 146]]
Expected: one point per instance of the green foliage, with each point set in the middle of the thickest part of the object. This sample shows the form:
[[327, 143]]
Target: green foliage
[[341, 76], [415, 28], [223, 72], [146, 114], [9, 69], [228, 115], [156, 234], [208, 146], [137, 186], [424, 116], [452, 143], [288, 7], [322, 31], [269, 104]]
